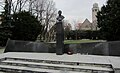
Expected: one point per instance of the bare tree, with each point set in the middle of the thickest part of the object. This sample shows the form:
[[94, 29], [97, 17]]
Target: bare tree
[[67, 26], [45, 11], [2, 5], [38, 9], [19, 5], [75, 23], [49, 16]]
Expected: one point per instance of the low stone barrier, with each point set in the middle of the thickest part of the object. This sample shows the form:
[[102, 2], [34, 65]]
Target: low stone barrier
[[95, 48]]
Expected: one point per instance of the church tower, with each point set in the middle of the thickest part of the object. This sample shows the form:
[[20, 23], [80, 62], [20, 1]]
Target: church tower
[[95, 9]]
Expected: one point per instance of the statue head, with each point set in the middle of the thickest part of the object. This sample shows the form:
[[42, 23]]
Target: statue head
[[59, 12], [60, 17]]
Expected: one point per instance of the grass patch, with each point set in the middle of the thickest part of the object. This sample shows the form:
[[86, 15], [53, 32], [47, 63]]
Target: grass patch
[[1, 51], [79, 41]]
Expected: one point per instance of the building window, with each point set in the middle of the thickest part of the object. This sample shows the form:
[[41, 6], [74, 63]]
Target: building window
[[96, 10]]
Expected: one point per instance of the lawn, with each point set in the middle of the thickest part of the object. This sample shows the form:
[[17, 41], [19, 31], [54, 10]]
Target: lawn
[[1, 50], [80, 41]]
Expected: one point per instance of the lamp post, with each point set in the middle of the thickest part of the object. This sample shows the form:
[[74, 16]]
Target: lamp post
[[59, 34]]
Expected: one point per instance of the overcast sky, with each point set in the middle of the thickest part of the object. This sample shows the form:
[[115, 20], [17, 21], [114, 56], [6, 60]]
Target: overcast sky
[[77, 10]]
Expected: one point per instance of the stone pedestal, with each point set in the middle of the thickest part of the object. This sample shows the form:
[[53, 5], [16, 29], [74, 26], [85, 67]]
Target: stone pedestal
[[59, 34], [59, 38]]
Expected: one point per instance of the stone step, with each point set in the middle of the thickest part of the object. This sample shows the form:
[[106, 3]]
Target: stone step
[[60, 62], [19, 69], [55, 66]]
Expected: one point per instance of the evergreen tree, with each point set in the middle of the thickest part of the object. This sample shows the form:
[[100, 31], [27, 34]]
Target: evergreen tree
[[5, 15], [26, 27], [5, 30], [109, 20]]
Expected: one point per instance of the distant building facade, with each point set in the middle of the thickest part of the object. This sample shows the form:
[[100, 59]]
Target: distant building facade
[[87, 25]]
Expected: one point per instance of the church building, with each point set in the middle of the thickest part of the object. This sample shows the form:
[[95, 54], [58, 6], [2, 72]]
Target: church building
[[87, 25]]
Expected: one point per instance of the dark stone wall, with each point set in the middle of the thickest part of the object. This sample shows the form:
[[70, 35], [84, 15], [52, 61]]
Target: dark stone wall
[[114, 48], [96, 48], [101, 49], [25, 46], [83, 48], [86, 48]]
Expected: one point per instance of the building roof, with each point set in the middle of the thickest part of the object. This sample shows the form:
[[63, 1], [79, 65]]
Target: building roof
[[86, 25]]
